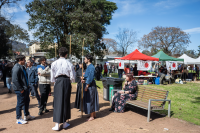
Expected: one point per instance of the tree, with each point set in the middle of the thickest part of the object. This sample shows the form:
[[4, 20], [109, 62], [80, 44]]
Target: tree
[[125, 39], [79, 18], [146, 52], [111, 45], [191, 53], [7, 2], [10, 33], [171, 40]]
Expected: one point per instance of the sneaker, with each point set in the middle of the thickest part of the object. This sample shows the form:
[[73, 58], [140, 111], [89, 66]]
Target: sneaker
[[29, 117], [21, 121]]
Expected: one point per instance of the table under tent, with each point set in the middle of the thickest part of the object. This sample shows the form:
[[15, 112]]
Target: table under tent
[[190, 62], [138, 56]]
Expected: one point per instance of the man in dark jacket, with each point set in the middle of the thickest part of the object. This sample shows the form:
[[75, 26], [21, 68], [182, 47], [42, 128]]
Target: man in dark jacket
[[33, 79], [20, 86], [98, 72]]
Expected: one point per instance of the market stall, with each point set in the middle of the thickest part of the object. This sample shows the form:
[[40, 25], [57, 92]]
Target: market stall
[[144, 63]]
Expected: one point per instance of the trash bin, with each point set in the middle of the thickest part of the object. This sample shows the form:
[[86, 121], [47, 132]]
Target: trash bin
[[114, 83], [105, 89], [109, 84]]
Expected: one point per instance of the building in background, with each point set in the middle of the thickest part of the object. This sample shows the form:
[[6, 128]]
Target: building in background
[[36, 51]]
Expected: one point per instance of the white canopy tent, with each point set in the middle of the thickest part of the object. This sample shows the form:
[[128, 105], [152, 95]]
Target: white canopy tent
[[189, 60]]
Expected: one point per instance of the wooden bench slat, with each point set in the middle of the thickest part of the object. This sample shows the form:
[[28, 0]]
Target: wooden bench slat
[[158, 103], [142, 104], [160, 93], [152, 90], [151, 96]]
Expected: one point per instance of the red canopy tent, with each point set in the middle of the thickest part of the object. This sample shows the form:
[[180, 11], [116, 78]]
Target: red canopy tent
[[136, 55]]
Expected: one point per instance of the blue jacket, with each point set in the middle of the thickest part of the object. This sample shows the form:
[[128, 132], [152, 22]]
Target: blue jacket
[[32, 75], [38, 66]]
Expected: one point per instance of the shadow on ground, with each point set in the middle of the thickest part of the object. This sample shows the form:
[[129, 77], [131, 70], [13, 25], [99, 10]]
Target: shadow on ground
[[196, 100], [154, 114], [1, 129]]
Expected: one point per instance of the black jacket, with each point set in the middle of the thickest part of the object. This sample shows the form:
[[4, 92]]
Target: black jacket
[[18, 78]]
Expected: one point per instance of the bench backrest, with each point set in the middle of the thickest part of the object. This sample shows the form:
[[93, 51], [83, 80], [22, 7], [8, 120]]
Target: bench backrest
[[144, 94]]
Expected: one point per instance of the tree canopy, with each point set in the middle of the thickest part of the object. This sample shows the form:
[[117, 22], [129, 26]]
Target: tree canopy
[[171, 40], [54, 20]]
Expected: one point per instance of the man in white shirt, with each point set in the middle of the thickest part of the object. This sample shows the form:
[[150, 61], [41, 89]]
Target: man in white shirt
[[62, 73]]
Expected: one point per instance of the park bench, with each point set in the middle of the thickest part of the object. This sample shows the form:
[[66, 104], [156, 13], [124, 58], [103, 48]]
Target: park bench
[[150, 99]]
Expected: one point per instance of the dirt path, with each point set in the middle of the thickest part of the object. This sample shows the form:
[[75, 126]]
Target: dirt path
[[132, 121]]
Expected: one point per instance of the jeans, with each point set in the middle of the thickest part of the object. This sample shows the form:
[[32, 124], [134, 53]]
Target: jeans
[[44, 92], [22, 101], [8, 82], [120, 75], [4, 80], [35, 92]]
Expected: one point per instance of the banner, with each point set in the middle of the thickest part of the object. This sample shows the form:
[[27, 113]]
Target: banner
[[121, 64], [172, 64], [144, 65]]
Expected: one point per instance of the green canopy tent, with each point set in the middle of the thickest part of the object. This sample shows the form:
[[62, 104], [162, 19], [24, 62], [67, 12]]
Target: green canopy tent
[[164, 57]]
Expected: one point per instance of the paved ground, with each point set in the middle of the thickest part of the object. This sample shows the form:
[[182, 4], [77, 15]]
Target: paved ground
[[132, 121]]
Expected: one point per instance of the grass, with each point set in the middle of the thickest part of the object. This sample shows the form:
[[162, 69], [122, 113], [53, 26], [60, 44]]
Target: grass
[[185, 100]]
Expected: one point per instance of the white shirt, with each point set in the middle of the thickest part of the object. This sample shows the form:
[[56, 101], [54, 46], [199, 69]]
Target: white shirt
[[62, 67]]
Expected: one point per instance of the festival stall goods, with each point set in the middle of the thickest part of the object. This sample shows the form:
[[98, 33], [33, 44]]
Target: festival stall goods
[[144, 63]]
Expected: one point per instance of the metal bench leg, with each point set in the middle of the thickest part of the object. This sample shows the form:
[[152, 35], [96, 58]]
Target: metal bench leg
[[169, 108], [149, 111]]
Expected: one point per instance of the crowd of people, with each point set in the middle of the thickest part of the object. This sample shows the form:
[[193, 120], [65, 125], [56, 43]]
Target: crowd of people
[[27, 77]]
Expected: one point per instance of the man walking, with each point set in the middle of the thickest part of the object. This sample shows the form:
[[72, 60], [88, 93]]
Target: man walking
[[33, 79], [44, 84], [62, 73], [20, 86]]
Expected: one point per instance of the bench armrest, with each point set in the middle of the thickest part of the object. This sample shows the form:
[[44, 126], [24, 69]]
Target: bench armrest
[[149, 107]]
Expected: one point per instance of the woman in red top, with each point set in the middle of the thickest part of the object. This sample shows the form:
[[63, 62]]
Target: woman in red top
[[105, 70]]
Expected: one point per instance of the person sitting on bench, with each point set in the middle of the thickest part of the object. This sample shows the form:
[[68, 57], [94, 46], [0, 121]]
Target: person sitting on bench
[[128, 93]]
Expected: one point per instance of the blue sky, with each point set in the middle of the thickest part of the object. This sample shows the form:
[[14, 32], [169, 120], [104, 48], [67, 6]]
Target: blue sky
[[140, 16]]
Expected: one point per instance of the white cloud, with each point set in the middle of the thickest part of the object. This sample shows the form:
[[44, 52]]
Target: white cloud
[[14, 9], [167, 4], [193, 30], [127, 7]]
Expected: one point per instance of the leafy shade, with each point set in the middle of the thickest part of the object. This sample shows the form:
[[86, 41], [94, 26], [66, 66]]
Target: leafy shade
[[54, 20]]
